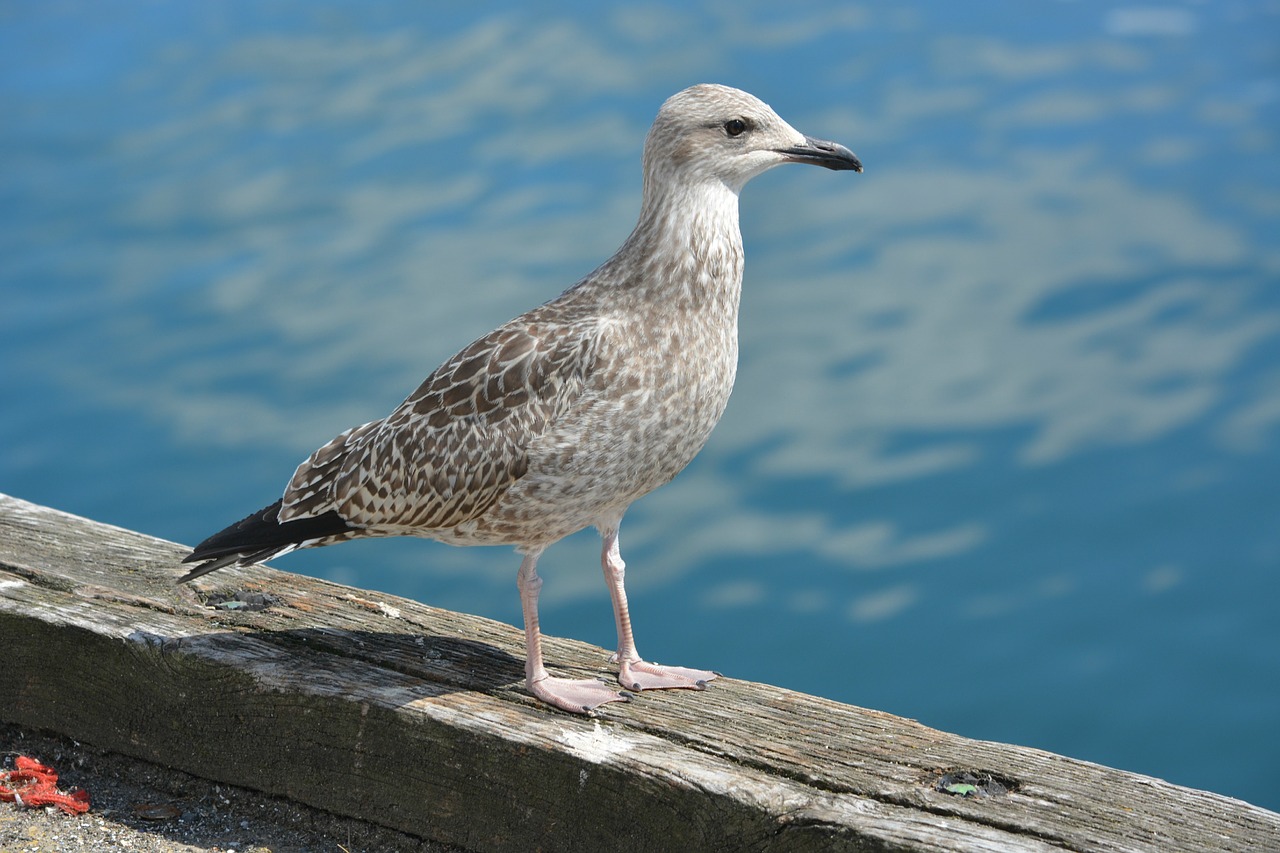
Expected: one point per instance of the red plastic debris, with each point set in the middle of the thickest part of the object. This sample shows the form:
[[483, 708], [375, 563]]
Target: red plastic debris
[[34, 785]]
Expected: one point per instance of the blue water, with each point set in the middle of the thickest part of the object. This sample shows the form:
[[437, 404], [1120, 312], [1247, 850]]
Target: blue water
[[1004, 451]]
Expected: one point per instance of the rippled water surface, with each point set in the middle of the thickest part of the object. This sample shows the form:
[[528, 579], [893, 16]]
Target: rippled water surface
[[1004, 450]]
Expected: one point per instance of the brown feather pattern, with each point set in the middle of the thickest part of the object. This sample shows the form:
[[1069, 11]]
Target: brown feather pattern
[[562, 417]]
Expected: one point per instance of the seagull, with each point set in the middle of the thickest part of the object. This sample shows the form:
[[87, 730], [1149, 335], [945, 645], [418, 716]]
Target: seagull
[[561, 418]]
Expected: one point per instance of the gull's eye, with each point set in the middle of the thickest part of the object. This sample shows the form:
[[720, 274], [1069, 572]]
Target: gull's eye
[[735, 127]]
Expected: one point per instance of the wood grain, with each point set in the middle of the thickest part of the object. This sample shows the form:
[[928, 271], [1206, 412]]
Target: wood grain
[[414, 717]]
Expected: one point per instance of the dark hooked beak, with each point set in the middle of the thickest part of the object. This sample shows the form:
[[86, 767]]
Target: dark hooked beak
[[819, 152]]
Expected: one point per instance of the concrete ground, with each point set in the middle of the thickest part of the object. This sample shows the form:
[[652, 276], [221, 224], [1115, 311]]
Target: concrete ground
[[144, 808]]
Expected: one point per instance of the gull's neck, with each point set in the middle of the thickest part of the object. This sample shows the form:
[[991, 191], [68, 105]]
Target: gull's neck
[[686, 249], [707, 210]]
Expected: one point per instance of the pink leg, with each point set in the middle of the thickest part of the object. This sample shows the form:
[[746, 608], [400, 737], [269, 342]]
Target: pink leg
[[576, 697], [633, 672]]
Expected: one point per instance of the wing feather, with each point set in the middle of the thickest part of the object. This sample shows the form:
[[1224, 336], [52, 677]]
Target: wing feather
[[455, 445]]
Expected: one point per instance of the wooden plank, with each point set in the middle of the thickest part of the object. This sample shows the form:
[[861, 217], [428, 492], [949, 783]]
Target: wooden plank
[[415, 718]]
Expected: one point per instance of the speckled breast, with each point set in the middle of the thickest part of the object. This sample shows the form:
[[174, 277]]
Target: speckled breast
[[639, 422]]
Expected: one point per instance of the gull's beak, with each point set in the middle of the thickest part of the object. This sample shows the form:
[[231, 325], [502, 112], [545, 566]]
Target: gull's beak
[[819, 152]]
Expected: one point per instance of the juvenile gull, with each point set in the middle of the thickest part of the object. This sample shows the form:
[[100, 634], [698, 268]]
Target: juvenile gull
[[562, 417]]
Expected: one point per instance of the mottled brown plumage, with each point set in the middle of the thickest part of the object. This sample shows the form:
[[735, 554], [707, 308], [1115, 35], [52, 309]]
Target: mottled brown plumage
[[564, 416]]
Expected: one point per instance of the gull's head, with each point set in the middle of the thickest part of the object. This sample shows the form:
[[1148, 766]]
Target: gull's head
[[711, 133]]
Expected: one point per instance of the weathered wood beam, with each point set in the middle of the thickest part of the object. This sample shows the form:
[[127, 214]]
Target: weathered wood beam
[[415, 718]]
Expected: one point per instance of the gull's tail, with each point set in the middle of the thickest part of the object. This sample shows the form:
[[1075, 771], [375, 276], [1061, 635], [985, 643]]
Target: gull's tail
[[260, 537]]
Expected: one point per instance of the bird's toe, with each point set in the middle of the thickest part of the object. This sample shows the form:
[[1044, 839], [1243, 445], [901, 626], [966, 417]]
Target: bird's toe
[[642, 675]]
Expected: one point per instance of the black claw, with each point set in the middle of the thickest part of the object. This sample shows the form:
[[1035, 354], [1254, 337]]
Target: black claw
[[700, 685], [626, 697]]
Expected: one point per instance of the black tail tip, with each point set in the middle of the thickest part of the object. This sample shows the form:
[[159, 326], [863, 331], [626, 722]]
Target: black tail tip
[[205, 568], [258, 538]]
